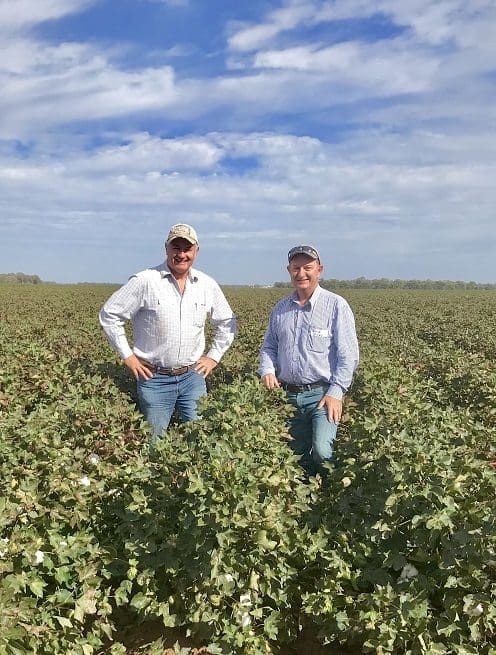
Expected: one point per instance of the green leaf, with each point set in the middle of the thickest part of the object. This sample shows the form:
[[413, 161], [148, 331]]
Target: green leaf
[[140, 601], [37, 585], [64, 621]]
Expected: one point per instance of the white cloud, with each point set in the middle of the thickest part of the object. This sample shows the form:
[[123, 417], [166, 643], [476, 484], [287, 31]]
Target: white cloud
[[45, 85], [351, 193], [296, 178], [146, 154], [449, 22], [23, 14], [377, 68], [252, 37], [49, 85]]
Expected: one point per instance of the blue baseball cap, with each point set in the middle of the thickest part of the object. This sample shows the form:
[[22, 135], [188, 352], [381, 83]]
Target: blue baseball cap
[[310, 251]]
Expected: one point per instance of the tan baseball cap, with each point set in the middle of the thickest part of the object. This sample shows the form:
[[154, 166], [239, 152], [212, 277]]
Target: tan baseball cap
[[182, 231]]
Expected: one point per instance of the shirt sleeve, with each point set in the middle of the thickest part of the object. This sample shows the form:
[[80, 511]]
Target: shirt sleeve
[[224, 323], [345, 345], [268, 351], [120, 307]]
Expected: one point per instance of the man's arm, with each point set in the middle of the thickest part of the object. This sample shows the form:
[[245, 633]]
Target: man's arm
[[345, 345], [224, 324], [268, 357], [120, 307]]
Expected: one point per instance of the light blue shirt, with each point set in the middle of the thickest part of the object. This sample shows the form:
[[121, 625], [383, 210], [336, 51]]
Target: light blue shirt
[[312, 342]]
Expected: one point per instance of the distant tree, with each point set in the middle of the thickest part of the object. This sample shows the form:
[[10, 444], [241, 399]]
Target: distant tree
[[20, 278]]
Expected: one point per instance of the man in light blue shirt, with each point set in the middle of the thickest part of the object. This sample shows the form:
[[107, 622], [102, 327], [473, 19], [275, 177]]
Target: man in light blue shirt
[[310, 350]]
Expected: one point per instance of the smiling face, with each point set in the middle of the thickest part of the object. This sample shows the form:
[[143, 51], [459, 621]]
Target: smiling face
[[180, 257], [304, 272]]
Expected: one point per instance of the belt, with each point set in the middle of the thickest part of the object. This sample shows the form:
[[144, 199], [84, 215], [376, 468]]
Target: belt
[[300, 388], [171, 371], [165, 371]]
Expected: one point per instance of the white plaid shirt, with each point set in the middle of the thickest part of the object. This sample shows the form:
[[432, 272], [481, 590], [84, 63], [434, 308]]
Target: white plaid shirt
[[168, 328]]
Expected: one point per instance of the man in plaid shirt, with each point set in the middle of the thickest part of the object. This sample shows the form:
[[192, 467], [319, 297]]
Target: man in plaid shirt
[[168, 306]]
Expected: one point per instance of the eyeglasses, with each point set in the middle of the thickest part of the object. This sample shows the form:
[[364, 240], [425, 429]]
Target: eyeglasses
[[303, 250]]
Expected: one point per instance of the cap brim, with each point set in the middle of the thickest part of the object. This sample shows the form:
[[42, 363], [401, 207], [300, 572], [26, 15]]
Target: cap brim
[[180, 236]]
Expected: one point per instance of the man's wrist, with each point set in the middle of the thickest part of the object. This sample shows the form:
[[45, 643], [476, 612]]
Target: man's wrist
[[262, 372], [335, 392], [124, 352], [215, 355]]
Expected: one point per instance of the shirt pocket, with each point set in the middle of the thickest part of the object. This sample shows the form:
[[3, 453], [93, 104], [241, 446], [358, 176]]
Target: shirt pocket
[[151, 312], [319, 339], [199, 314]]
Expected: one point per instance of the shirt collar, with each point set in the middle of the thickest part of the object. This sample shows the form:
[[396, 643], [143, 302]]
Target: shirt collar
[[165, 272], [311, 301]]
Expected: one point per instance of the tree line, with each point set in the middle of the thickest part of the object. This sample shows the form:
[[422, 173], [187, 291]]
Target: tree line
[[332, 283], [385, 283]]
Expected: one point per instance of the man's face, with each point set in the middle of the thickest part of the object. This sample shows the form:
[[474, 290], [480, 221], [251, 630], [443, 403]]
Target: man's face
[[180, 256], [304, 273]]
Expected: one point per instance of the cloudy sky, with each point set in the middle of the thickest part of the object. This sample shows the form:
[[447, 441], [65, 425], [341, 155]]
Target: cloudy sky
[[366, 128]]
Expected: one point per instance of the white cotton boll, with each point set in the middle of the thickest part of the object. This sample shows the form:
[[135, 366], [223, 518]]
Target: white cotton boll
[[93, 459], [85, 481], [245, 600], [245, 620], [476, 610], [409, 571], [39, 556]]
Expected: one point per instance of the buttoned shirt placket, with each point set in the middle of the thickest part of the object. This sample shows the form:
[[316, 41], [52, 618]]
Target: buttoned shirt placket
[[180, 297], [303, 318]]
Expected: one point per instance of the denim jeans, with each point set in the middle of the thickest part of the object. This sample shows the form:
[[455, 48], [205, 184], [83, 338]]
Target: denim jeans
[[313, 434], [161, 394]]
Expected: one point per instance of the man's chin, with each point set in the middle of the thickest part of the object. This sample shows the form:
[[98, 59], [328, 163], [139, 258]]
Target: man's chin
[[180, 268]]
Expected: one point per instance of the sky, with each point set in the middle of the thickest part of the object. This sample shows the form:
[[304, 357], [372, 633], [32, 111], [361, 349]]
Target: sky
[[365, 128]]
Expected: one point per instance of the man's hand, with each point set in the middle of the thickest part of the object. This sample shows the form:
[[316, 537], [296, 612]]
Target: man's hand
[[334, 408], [270, 381], [205, 365], [138, 368]]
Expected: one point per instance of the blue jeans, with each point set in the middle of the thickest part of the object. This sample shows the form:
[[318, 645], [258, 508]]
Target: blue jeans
[[161, 394], [313, 434]]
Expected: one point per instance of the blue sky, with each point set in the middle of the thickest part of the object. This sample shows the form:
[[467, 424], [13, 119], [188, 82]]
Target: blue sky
[[364, 128]]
